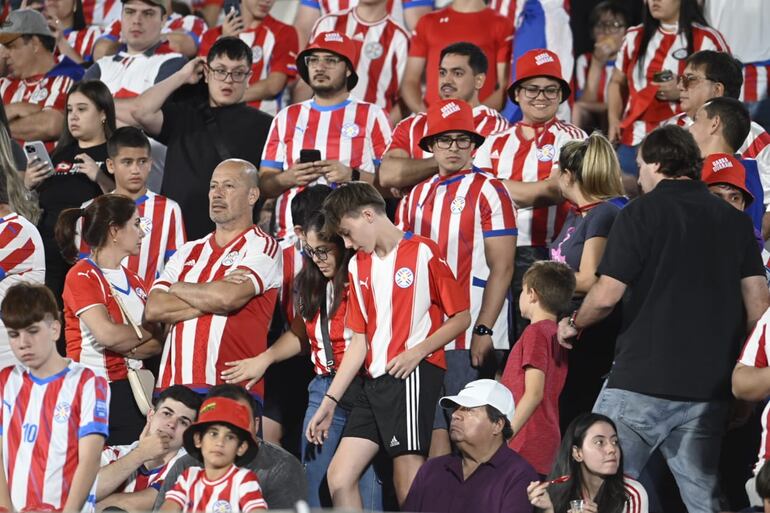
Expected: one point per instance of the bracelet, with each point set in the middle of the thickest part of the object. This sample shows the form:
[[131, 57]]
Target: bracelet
[[572, 319], [332, 398]]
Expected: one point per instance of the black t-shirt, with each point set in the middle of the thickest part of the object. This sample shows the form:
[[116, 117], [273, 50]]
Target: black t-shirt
[[682, 252], [192, 154], [568, 246]]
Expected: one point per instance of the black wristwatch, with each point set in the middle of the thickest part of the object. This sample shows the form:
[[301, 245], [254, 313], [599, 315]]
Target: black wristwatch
[[480, 329], [355, 175]]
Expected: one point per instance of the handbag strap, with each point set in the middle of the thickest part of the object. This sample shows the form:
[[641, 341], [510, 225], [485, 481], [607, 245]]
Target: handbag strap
[[215, 134], [326, 338], [127, 319]]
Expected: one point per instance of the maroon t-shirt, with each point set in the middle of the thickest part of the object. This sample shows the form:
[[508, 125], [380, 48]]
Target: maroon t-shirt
[[538, 441]]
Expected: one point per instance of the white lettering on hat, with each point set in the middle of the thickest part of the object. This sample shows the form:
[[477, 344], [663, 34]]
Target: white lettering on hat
[[542, 58], [333, 36], [449, 109], [720, 164]]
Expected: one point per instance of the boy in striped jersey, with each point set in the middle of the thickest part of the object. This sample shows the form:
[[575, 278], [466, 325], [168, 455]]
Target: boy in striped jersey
[[54, 412]]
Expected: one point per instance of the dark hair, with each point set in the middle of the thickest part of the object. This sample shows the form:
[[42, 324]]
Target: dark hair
[[25, 304], [611, 497], [554, 284], [607, 7], [182, 394], [308, 200], [311, 283], [734, 118], [719, 67], [476, 58], [763, 482], [349, 200], [232, 47], [48, 42], [79, 17], [234, 392], [103, 213], [493, 414], [689, 13], [97, 92], [675, 150], [127, 137]]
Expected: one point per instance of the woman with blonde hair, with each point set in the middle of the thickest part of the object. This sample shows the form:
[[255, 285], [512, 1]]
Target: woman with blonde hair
[[18, 196], [590, 180]]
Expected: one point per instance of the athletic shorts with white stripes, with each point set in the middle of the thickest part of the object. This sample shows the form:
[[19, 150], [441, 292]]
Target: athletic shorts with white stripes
[[397, 413]]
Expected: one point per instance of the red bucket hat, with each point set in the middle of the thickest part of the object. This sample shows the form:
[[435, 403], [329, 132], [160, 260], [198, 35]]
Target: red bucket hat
[[723, 168], [334, 42], [450, 116], [231, 413], [539, 63]]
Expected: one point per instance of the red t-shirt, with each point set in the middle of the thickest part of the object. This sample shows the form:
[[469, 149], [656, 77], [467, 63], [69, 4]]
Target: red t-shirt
[[538, 441]]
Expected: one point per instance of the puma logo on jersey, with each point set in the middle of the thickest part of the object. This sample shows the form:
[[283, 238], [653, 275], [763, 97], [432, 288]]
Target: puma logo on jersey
[[85, 274], [189, 263], [444, 20], [364, 283]]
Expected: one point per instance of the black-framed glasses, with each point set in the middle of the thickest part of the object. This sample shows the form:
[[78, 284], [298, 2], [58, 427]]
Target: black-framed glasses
[[445, 142], [612, 27], [327, 61], [320, 253], [533, 91], [238, 75], [689, 80]]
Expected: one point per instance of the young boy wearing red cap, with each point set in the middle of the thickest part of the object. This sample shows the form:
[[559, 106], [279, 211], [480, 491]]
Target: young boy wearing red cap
[[469, 214], [527, 153], [223, 438]]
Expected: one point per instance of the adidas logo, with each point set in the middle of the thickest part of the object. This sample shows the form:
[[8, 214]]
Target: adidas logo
[[542, 58], [394, 442], [449, 109], [333, 36], [720, 164]]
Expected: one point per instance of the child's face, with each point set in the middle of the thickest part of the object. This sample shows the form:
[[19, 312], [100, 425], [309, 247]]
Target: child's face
[[131, 167], [219, 446], [525, 301], [34, 345], [357, 232]]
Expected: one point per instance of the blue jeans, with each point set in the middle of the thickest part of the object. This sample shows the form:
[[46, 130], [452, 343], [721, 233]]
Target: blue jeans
[[316, 459], [688, 434]]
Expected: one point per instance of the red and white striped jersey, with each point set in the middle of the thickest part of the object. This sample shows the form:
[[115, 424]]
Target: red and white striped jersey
[[353, 132], [756, 81], [292, 264], [409, 132], [637, 496], [43, 420], [665, 51], [582, 64], [82, 41], [756, 353], [339, 334], [196, 350], [86, 287], [22, 259], [101, 12], [142, 478], [383, 50], [459, 212], [396, 8], [237, 491], [400, 300], [274, 46], [193, 26], [510, 156], [161, 221]]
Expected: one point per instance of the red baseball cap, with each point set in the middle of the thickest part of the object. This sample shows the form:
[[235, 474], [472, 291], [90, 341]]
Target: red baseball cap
[[334, 42], [539, 63], [723, 168], [231, 413], [450, 116]]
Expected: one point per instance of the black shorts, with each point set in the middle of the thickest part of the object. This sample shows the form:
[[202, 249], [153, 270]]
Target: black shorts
[[397, 413]]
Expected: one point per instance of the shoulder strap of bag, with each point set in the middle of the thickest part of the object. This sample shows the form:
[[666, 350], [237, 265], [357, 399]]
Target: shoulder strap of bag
[[326, 338], [215, 134]]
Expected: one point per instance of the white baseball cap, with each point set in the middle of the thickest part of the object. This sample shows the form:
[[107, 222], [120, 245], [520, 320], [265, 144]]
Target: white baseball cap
[[482, 392]]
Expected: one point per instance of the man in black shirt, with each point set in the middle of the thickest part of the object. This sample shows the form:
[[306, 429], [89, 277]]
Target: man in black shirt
[[694, 283], [200, 135]]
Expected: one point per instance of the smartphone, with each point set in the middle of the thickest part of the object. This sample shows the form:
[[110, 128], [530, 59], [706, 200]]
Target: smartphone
[[307, 156], [35, 150], [663, 76], [232, 5]]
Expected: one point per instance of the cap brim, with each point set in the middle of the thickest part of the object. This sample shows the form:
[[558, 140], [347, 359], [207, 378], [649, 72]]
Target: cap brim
[[188, 441], [565, 89], [453, 401]]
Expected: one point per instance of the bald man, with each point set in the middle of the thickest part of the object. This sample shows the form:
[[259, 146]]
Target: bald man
[[218, 293]]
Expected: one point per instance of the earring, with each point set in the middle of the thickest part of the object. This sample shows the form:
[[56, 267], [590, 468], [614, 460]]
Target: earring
[[114, 241]]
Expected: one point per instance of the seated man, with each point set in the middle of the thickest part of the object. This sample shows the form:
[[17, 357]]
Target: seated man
[[131, 475]]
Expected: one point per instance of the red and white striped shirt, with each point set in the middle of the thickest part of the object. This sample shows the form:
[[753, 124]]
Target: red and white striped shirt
[[459, 212], [582, 64], [756, 353], [396, 8], [400, 300], [101, 12], [510, 156], [87, 286], [410, 131], [141, 478], [196, 350], [237, 491], [274, 46], [353, 132], [665, 51], [22, 259], [193, 26], [339, 334], [43, 420], [292, 264], [383, 50], [82, 41], [161, 220], [756, 82], [637, 496]]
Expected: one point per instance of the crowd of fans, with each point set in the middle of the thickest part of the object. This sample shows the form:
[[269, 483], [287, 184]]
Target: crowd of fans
[[395, 256]]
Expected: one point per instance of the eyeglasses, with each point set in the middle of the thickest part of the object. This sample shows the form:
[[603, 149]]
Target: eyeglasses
[[238, 75], [445, 142], [532, 92], [610, 26], [320, 253], [690, 80], [327, 61]]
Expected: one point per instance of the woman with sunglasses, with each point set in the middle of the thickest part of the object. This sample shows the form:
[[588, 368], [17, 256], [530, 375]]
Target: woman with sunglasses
[[322, 303], [588, 473]]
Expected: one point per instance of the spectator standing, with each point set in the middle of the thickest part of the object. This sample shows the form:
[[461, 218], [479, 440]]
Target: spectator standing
[[648, 257]]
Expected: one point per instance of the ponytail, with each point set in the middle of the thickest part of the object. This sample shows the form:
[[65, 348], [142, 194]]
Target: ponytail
[[65, 232], [595, 166]]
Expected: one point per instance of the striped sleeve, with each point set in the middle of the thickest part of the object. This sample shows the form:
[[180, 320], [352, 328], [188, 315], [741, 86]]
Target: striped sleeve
[[496, 210], [57, 95], [445, 291], [754, 353], [355, 316], [180, 492], [94, 410], [400, 138], [274, 154], [176, 233], [251, 498], [379, 133], [636, 495], [171, 271], [263, 261]]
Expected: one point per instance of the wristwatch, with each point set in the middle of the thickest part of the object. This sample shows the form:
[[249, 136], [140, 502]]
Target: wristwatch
[[355, 175], [571, 320], [480, 329]]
